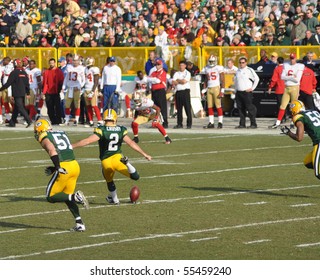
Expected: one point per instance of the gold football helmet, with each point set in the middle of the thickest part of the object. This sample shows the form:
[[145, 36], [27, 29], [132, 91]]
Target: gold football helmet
[[212, 61], [90, 61], [42, 125], [296, 107], [110, 115], [137, 97]]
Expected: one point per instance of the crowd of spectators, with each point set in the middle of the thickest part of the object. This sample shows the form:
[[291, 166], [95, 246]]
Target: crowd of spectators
[[119, 23]]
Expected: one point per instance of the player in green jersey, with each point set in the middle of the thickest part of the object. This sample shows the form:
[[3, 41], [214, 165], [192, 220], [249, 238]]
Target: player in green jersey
[[306, 121], [110, 137], [65, 171]]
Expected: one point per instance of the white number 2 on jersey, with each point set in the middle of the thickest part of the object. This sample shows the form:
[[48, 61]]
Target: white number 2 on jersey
[[114, 140]]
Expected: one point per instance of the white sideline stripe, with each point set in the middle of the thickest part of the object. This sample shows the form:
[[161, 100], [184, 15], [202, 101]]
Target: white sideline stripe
[[163, 201], [203, 239], [105, 234], [302, 205], [19, 138], [12, 230], [172, 175], [158, 157], [211, 201], [144, 238], [255, 203], [56, 232], [308, 245], [256, 241], [7, 194], [20, 152]]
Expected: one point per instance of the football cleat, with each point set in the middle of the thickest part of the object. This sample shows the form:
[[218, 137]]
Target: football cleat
[[75, 123], [274, 126], [209, 125], [220, 125], [168, 140], [78, 228], [80, 198], [124, 160], [136, 139], [111, 201]]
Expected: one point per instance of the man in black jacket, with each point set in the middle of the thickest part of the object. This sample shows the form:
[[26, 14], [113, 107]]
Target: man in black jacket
[[19, 82]]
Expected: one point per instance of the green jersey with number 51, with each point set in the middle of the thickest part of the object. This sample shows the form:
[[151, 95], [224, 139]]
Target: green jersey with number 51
[[111, 138], [311, 121], [61, 142]]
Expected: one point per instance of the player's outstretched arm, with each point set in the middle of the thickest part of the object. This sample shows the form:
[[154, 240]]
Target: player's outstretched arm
[[136, 147], [87, 141]]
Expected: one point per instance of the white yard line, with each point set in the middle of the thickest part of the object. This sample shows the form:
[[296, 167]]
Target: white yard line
[[256, 241], [204, 239], [302, 205], [163, 201], [211, 201], [150, 237], [12, 230], [255, 203], [308, 245], [105, 234]]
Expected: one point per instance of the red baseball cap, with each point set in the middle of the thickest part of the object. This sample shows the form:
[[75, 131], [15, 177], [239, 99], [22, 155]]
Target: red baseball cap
[[293, 56], [159, 62]]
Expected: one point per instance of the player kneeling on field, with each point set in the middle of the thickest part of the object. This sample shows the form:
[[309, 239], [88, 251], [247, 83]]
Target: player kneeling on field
[[65, 171], [306, 121], [145, 111], [110, 137]]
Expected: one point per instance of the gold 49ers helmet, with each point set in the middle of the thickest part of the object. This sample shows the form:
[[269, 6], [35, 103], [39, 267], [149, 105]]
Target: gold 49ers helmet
[[42, 125], [296, 107], [110, 115], [137, 97]]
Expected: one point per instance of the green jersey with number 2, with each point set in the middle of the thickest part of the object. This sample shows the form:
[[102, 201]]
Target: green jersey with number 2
[[311, 121], [111, 138], [61, 142]]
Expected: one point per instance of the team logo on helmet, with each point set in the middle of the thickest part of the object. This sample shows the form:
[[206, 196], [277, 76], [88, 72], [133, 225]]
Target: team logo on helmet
[[296, 107]]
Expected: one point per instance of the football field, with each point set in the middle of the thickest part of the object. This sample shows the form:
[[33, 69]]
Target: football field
[[210, 195]]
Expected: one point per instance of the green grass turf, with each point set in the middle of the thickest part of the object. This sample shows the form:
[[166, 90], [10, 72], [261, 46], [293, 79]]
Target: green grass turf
[[202, 197]]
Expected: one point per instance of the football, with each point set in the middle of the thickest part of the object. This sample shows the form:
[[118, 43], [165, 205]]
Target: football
[[134, 194]]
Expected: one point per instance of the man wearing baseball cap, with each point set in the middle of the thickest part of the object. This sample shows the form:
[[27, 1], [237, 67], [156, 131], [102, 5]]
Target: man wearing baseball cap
[[291, 74], [111, 84]]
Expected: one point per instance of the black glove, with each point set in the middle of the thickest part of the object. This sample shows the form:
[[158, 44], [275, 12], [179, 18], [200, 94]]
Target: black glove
[[116, 93], [285, 130], [49, 170]]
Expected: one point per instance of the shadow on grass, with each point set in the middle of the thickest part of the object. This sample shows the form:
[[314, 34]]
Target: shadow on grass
[[25, 198], [237, 190], [24, 226]]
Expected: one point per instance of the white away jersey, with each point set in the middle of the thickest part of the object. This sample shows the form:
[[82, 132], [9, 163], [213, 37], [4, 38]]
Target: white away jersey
[[145, 109], [141, 84], [213, 74], [7, 69], [75, 77], [90, 73], [292, 74], [32, 75]]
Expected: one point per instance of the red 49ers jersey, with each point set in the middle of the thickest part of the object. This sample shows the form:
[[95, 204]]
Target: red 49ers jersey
[[213, 74], [90, 73]]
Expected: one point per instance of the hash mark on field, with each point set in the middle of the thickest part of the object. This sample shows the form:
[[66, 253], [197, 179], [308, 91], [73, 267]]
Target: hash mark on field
[[211, 201], [104, 234], [302, 205], [308, 245], [204, 239], [12, 230], [150, 237], [256, 241], [57, 232], [7, 194], [255, 203]]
